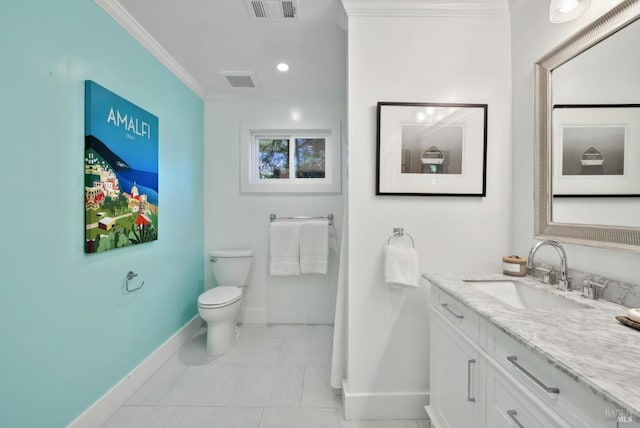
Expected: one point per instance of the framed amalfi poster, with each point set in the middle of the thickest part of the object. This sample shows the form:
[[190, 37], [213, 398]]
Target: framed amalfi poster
[[120, 172]]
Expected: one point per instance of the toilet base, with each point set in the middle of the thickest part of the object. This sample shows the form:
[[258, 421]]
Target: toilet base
[[221, 337], [221, 324]]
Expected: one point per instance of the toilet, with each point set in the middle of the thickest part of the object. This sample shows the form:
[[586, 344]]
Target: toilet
[[220, 305]]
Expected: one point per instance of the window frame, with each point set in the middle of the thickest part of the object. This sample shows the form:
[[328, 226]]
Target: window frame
[[250, 135]]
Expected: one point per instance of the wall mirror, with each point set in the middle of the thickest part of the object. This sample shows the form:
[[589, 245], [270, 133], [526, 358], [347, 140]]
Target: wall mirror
[[587, 107]]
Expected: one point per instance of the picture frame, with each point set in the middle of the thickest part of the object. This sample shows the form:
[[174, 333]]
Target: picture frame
[[431, 149], [595, 150], [120, 172]]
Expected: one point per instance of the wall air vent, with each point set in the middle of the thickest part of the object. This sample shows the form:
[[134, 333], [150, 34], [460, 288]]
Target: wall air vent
[[273, 10], [240, 79]]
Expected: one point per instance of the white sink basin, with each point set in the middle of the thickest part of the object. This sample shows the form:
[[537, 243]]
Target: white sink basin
[[523, 296]]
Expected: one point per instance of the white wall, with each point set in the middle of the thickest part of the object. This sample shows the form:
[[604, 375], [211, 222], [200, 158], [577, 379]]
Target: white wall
[[532, 37], [71, 330], [241, 220], [419, 59]]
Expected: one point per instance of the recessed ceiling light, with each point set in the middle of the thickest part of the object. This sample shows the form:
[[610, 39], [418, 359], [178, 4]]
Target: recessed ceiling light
[[566, 10], [283, 67]]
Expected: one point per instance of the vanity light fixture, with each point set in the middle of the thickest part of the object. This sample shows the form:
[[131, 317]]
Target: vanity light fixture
[[566, 10], [283, 67]]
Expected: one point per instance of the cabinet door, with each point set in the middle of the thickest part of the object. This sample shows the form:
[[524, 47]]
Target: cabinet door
[[454, 400]]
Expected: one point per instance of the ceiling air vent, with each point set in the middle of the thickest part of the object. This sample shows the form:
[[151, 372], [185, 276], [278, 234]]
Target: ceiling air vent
[[240, 79], [273, 10]]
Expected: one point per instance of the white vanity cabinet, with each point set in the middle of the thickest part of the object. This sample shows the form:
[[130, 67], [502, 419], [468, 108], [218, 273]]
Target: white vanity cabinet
[[548, 385], [455, 399], [457, 368], [483, 378]]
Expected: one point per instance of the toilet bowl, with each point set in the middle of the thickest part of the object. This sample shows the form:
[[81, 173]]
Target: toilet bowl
[[220, 305]]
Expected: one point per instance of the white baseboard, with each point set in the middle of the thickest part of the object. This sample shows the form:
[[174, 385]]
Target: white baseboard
[[434, 420], [101, 410], [321, 317], [254, 316], [383, 405], [264, 316]]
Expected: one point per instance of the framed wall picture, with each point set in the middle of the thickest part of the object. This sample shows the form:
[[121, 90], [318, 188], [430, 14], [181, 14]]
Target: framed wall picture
[[596, 150], [120, 172], [431, 149]]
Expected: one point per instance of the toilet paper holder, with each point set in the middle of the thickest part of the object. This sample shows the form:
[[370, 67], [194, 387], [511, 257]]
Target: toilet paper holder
[[130, 275]]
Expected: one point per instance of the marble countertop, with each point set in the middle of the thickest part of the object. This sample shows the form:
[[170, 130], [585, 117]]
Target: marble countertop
[[588, 344]]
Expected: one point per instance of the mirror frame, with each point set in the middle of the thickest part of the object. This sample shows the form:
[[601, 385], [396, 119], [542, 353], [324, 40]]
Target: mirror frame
[[611, 237]]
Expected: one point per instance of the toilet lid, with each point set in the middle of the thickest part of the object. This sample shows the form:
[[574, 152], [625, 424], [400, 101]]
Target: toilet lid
[[219, 296]]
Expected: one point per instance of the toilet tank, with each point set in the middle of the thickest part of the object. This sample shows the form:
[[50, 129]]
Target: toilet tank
[[231, 267]]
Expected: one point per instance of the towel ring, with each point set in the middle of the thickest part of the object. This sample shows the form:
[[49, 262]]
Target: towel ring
[[399, 232], [130, 275]]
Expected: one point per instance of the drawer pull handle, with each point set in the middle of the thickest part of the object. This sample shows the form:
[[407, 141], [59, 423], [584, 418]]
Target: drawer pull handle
[[514, 360], [469, 397], [514, 417], [446, 306]]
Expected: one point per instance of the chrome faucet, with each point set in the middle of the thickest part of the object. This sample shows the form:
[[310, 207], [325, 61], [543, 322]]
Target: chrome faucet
[[564, 283]]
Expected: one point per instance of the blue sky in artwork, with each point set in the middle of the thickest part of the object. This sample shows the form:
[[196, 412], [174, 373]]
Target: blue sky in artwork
[[128, 130]]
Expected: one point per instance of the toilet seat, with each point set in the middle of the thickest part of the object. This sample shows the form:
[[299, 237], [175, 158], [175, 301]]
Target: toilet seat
[[219, 297]]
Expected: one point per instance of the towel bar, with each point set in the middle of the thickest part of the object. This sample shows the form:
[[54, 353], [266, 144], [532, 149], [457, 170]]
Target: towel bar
[[399, 232], [329, 217]]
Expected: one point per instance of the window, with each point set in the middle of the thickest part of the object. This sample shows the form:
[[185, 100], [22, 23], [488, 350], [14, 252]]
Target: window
[[309, 156], [298, 157], [294, 157]]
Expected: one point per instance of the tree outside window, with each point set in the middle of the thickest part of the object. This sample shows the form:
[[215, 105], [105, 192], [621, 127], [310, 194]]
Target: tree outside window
[[294, 157], [273, 158], [309, 158]]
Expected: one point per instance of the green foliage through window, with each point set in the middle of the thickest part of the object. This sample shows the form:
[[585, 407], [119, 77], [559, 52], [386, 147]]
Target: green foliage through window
[[273, 158], [294, 157], [310, 158]]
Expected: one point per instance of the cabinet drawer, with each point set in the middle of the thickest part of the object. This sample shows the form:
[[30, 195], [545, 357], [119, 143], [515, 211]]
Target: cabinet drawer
[[457, 312], [556, 389], [509, 406]]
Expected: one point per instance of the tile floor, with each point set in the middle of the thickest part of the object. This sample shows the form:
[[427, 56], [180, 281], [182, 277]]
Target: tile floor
[[275, 377]]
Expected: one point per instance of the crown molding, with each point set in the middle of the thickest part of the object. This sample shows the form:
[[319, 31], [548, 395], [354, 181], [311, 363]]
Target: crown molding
[[426, 8], [133, 27]]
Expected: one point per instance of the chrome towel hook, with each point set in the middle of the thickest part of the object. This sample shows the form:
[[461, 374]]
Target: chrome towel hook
[[130, 275]]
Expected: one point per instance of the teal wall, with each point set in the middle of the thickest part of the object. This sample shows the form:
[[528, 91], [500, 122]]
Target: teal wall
[[68, 331]]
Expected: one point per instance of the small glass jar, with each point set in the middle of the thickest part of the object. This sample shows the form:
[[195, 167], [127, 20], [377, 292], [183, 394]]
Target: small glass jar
[[514, 266]]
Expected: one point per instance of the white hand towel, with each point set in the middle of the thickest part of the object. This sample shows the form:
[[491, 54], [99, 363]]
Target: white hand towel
[[314, 247], [284, 248], [401, 266]]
